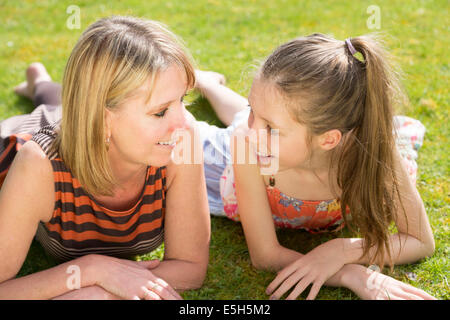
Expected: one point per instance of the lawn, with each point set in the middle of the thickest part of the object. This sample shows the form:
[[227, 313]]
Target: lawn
[[230, 37]]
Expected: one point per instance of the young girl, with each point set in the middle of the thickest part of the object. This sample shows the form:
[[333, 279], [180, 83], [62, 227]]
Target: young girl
[[332, 114], [99, 186]]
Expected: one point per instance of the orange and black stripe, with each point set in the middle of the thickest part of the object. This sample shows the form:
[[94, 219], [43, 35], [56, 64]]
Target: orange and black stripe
[[8, 151], [80, 225]]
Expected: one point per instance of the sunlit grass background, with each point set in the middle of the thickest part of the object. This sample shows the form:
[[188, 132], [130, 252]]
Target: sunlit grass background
[[230, 37]]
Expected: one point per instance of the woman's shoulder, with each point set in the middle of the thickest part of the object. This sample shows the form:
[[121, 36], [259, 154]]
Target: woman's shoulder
[[31, 175]]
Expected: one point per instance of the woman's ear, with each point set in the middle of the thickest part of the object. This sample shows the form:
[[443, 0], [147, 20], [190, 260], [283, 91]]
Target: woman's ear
[[330, 139], [108, 119]]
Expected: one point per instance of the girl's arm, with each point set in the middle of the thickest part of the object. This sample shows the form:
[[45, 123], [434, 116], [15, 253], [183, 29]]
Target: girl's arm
[[414, 239], [321, 263], [256, 218]]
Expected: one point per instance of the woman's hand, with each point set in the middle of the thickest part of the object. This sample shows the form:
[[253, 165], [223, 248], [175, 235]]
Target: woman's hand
[[372, 285], [315, 268], [131, 279], [88, 293]]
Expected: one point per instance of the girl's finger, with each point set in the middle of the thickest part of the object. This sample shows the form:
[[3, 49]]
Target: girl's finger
[[315, 289], [417, 292], [299, 288], [288, 283], [282, 275]]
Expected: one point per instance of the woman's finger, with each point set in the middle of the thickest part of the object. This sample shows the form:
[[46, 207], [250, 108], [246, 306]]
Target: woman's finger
[[161, 291], [149, 264], [167, 286], [149, 295]]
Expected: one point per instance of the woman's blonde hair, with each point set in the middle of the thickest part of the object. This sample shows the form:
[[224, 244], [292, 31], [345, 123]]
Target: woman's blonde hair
[[327, 87], [113, 57]]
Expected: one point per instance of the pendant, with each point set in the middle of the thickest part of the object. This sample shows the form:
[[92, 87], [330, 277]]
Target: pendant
[[272, 181]]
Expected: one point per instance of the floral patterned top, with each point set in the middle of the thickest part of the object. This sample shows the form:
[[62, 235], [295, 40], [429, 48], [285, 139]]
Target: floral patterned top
[[287, 212], [314, 216]]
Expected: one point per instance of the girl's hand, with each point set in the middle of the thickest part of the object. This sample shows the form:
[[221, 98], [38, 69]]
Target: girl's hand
[[315, 267], [132, 279], [372, 285]]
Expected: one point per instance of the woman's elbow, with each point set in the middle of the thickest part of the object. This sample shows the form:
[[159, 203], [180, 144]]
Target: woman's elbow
[[197, 276], [430, 247]]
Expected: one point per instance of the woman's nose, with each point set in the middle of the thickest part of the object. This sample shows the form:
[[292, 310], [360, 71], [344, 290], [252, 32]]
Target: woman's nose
[[179, 120]]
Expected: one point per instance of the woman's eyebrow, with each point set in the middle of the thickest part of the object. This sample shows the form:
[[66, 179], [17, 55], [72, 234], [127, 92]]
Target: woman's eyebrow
[[161, 106], [164, 104]]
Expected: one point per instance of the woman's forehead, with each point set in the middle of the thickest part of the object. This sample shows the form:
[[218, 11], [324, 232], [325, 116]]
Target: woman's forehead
[[166, 86]]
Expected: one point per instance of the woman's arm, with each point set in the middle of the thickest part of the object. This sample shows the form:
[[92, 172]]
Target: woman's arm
[[187, 224], [27, 197]]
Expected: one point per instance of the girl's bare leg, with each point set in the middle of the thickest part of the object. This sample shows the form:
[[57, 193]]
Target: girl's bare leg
[[225, 102]]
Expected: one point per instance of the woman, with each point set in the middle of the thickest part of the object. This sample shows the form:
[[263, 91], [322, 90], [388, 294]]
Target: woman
[[100, 185]]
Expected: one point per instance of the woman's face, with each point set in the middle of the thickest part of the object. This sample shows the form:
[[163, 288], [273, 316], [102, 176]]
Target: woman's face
[[140, 131], [268, 113]]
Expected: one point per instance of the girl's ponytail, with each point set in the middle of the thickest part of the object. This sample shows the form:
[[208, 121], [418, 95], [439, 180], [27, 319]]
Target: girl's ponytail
[[369, 181]]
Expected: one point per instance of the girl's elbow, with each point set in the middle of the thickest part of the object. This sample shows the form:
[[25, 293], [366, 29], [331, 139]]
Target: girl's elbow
[[260, 262]]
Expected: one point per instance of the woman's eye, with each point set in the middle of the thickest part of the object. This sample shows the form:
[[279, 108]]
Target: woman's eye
[[161, 114]]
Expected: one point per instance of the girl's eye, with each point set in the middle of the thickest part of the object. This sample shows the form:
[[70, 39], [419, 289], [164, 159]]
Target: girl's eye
[[161, 114]]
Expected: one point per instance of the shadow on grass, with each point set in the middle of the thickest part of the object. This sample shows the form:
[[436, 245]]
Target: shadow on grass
[[22, 105]]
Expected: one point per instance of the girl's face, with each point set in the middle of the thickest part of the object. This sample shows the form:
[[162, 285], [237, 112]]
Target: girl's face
[[268, 112], [140, 131]]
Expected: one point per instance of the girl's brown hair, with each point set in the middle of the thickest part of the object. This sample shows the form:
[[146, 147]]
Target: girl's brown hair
[[113, 57], [326, 87]]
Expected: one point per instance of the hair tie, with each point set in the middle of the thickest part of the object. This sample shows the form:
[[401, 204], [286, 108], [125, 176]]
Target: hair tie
[[350, 47]]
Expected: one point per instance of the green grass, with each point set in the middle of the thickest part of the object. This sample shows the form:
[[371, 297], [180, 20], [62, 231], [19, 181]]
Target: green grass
[[231, 36]]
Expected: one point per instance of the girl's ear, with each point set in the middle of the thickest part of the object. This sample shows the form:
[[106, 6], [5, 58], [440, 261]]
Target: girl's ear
[[330, 139]]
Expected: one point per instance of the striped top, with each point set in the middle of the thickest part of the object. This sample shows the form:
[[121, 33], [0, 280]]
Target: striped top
[[81, 226]]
